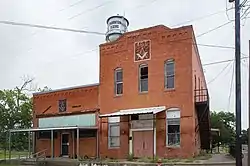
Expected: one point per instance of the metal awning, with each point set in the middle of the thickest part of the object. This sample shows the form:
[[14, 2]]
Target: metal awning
[[148, 110], [49, 129]]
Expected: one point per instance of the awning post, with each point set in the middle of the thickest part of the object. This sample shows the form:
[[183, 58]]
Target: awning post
[[33, 143], [29, 137], [9, 145], [73, 143], [77, 143], [97, 143], [154, 136], [52, 143]]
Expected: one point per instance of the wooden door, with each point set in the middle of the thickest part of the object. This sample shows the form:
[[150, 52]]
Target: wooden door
[[148, 143], [143, 144]]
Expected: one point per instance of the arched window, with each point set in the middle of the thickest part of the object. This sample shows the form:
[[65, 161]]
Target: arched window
[[143, 78], [173, 118], [118, 81]]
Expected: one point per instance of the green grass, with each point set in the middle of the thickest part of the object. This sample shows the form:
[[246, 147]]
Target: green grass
[[14, 154]]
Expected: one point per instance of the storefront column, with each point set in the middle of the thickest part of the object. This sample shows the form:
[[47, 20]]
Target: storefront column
[[73, 143], [52, 143], [77, 143]]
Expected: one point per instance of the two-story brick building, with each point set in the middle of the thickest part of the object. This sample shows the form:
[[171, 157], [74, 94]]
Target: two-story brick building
[[152, 100]]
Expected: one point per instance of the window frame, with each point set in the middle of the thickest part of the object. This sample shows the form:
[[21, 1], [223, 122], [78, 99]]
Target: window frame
[[116, 82], [166, 75], [113, 123], [139, 80], [167, 133]]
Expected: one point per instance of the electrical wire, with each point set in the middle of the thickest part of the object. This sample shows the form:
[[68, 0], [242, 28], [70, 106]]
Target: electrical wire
[[88, 10], [50, 27], [231, 88], [72, 5], [243, 3], [227, 11], [200, 18], [216, 28], [219, 73], [224, 61]]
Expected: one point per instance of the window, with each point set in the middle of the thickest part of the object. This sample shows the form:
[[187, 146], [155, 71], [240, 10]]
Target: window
[[169, 74], [45, 135], [62, 105], [86, 133], [173, 127], [114, 132], [143, 78], [118, 81]]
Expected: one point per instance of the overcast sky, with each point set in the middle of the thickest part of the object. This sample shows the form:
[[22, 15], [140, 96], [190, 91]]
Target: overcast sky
[[62, 59]]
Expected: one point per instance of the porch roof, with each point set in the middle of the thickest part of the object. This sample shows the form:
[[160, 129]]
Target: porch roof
[[52, 128], [148, 110]]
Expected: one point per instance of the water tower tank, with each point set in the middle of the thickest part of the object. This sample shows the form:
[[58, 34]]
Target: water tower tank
[[117, 25]]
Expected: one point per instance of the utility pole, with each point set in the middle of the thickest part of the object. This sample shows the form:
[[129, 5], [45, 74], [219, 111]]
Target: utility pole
[[248, 161], [237, 83]]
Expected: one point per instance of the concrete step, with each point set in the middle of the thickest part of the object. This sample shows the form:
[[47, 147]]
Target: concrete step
[[28, 162]]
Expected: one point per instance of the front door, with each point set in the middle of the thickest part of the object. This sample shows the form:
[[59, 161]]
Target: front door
[[65, 144], [143, 143]]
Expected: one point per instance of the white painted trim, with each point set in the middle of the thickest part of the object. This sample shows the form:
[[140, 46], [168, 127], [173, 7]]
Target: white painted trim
[[131, 142], [145, 129], [154, 141]]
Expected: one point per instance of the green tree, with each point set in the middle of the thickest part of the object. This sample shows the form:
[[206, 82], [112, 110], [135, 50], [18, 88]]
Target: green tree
[[44, 89], [15, 113], [245, 136], [225, 122]]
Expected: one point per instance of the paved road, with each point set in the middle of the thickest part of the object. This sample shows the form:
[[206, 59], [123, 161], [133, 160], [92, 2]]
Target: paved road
[[244, 160]]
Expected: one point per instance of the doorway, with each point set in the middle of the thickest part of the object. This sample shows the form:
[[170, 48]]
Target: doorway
[[143, 143], [65, 144]]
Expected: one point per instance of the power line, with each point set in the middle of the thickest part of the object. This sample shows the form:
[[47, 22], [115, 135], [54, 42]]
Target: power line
[[230, 91], [50, 27], [91, 9], [202, 17], [219, 73], [224, 61], [216, 28], [72, 5]]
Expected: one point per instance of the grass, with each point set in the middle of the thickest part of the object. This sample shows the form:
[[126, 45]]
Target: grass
[[14, 154], [201, 156]]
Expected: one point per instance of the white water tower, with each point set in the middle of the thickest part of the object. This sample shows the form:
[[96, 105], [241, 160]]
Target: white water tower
[[117, 25]]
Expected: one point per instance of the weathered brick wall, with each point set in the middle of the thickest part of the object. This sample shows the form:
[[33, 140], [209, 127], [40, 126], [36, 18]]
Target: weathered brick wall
[[165, 44]]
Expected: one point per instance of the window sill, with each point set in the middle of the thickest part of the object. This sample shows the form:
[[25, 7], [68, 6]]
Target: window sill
[[173, 147], [169, 90], [113, 148], [142, 93], [118, 95]]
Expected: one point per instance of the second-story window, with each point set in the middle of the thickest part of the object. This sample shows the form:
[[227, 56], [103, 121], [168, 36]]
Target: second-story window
[[143, 78], [170, 74], [62, 105], [118, 81]]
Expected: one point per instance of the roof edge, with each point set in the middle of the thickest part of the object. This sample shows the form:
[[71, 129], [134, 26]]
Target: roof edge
[[67, 88]]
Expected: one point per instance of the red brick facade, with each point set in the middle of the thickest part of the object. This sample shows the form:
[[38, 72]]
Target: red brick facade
[[165, 44]]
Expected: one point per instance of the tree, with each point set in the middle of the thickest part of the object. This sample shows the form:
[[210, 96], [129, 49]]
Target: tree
[[245, 136], [44, 89], [15, 113], [225, 122]]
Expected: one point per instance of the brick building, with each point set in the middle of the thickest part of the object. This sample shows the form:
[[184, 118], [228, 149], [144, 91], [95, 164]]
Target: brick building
[[152, 100]]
